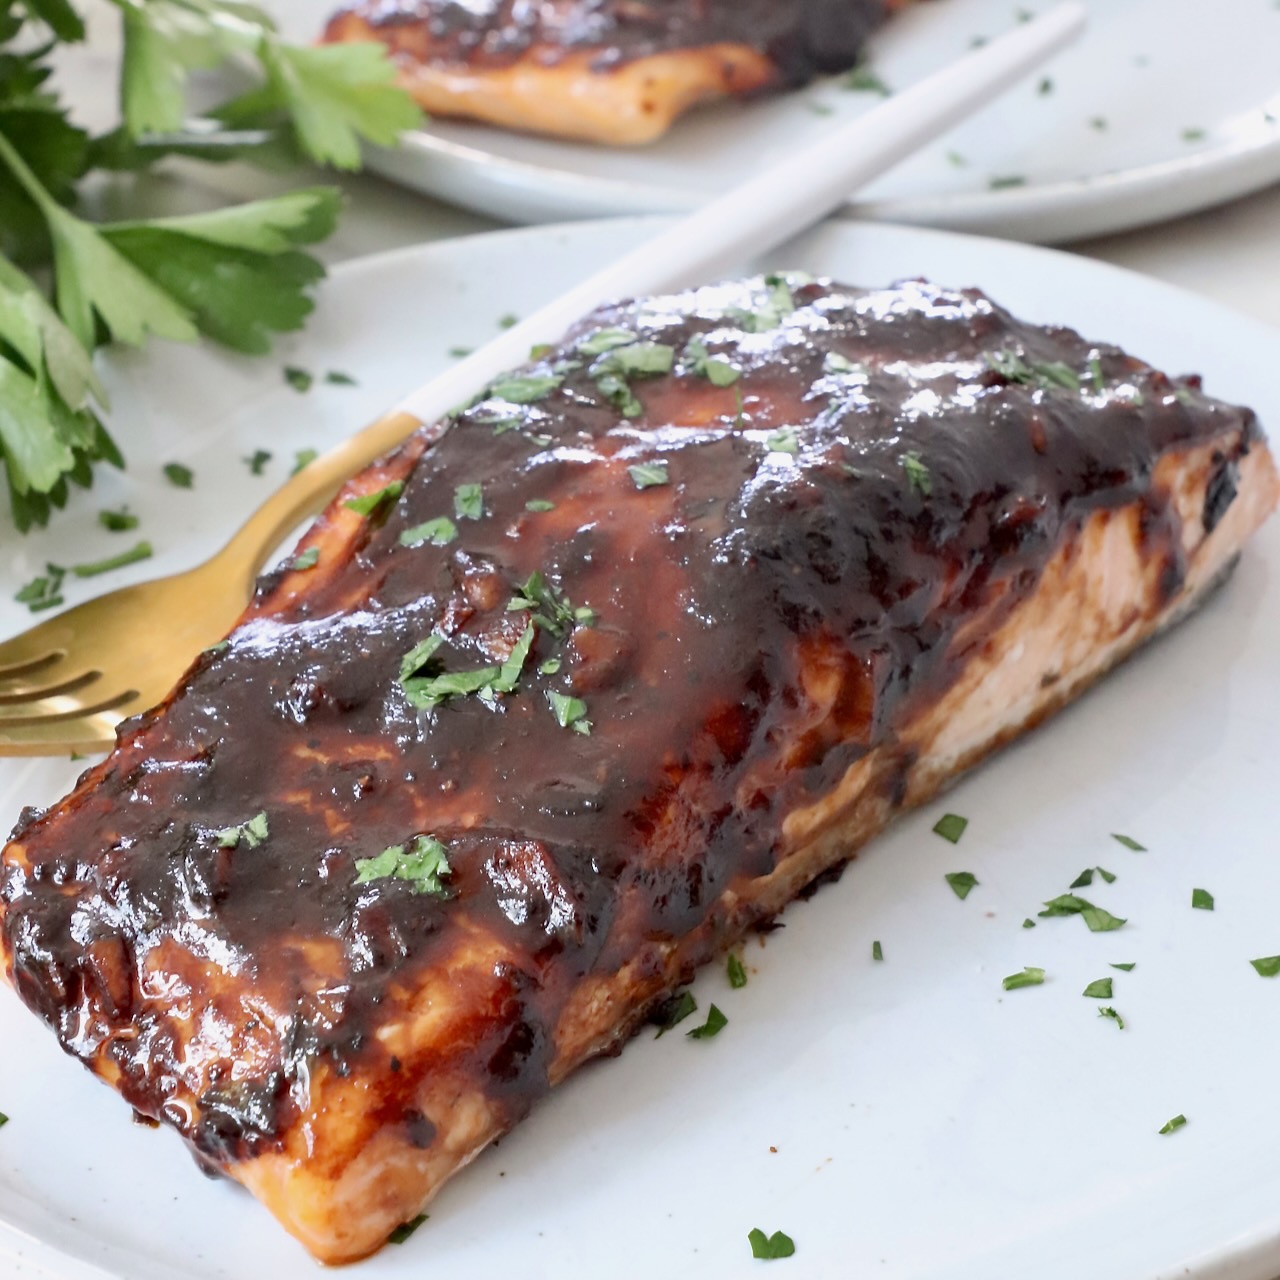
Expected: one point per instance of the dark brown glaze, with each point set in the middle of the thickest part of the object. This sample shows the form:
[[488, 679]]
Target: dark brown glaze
[[801, 37], [876, 477]]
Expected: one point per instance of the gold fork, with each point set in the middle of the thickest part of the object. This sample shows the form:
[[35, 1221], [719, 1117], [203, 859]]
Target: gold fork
[[65, 684]]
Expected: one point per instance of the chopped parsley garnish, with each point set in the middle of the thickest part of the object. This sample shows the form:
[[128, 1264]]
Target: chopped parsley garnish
[[1005, 181], [1172, 1126], [715, 1023], [142, 551], [1028, 923], [1267, 967], [1202, 899], [717, 371], [961, 882], [257, 461], [784, 440], [834, 362], [863, 80], [673, 1011], [253, 833], [118, 521], [468, 502], [539, 504], [1083, 880], [44, 592], [956, 160], [298, 379], [551, 667], [423, 864], [570, 713], [950, 827], [179, 476], [1067, 904], [431, 687], [525, 389], [613, 370], [1193, 135], [877, 951], [508, 321], [1029, 977], [737, 974], [336, 378], [419, 656], [918, 476], [552, 610], [1129, 967], [368, 503], [778, 1245], [1099, 123], [308, 559], [438, 532], [303, 458], [1108, 876], [1045, 87], [606, 340], [1095, 372], [460, 353], [648, 475], [1108, 1012], [1129, 843], [1099, 989], [406, 1229], [779, 304], [4, 1119], [1042, 374]]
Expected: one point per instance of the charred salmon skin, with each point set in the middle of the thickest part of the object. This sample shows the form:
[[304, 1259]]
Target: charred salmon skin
[[579, 685], [611, 71]]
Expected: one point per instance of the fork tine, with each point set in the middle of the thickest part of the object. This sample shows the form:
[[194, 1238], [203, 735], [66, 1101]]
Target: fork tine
[[29, 666], [60, 737], [33, 693], [59, 712]]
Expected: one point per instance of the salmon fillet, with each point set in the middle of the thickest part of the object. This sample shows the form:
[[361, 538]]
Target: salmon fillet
[[611, 71], [564, 696]]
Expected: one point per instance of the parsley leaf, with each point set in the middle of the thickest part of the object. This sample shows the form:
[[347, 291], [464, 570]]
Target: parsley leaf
[[298, 379], [604, 340], [367, 503], [1029, 977], [423, 864], [863, 80], [406, 1229], [569, 712], [1201, 900], [1083, 880], [1108, 1012], [179, 476], [877, 951], [525, 388], [1267, 967], [539, 505], [468, 502], [307, 559], [438, 532], [142, 551], [737, 974], [1067, 904], [1130, 843], [1172, 1126], [648, 475], [917, 474], [43, 592], [715, 1023], [1126, 968], [778, 1245], [118, 521], [950, 826], [552, 610], [961, 882], [1099, 989], [784, 440], [252, 833], [257, 461], [303, 458], [672, 1011], [717, 371]]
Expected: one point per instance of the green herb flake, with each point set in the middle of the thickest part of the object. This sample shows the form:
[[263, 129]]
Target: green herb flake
[[4, 1119], [1045, 87], [961, 882], [419, 657], [784, 440], [508, 321], [717, 371], [950, 826], [649, 475], [179, 476], [252, 833], [604, 340], [833, 362], [877, 951], [368, 503], [118, 521], [737, 974], [1193, 135], [1095, 372], [1098, 123], [672, 1011], [509, 673], [406, 1229], [43, 592], [1108, 1012], [550, 667], [539, 504], [1101, 921], [1005, 182], [142, 551], [570, 713], [303, 458], [336, 378], [1201, 899], [1067, 904], [298, 379], [257, 461], [956, 160], [525, 388], [552, 609], [438, 533], [1172, 1126], [1127, 967], [863, 80], [1108, 876], [468, 502], [1129, 843], [1099, 989], [308, 559], [423, 864], [715, 1023], [778, 1245], [1267, 967], [1083, 880], [1028, 923], [918, 476], [1029, 977]]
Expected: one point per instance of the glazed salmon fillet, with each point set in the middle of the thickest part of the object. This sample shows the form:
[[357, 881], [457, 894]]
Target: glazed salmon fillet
[[611, 71], [559, 700]]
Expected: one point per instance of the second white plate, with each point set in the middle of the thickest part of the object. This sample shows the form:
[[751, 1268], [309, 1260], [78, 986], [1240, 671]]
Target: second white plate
[[1163, 107]]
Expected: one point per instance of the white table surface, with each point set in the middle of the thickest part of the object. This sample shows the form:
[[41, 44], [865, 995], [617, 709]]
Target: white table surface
[[1231, 254]]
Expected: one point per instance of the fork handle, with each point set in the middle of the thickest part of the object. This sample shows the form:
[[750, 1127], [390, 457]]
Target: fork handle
[[752, 217]]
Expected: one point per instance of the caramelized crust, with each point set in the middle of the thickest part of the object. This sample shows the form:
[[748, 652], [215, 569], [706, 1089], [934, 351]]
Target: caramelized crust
[[618, 72], [850, 543]]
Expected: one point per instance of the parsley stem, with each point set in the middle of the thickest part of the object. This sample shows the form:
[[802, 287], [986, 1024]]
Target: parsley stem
[[141, 552]]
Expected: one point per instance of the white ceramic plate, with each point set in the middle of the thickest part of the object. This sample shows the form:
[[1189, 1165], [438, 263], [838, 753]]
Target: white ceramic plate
[[1165, 106], [928, 1125]]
